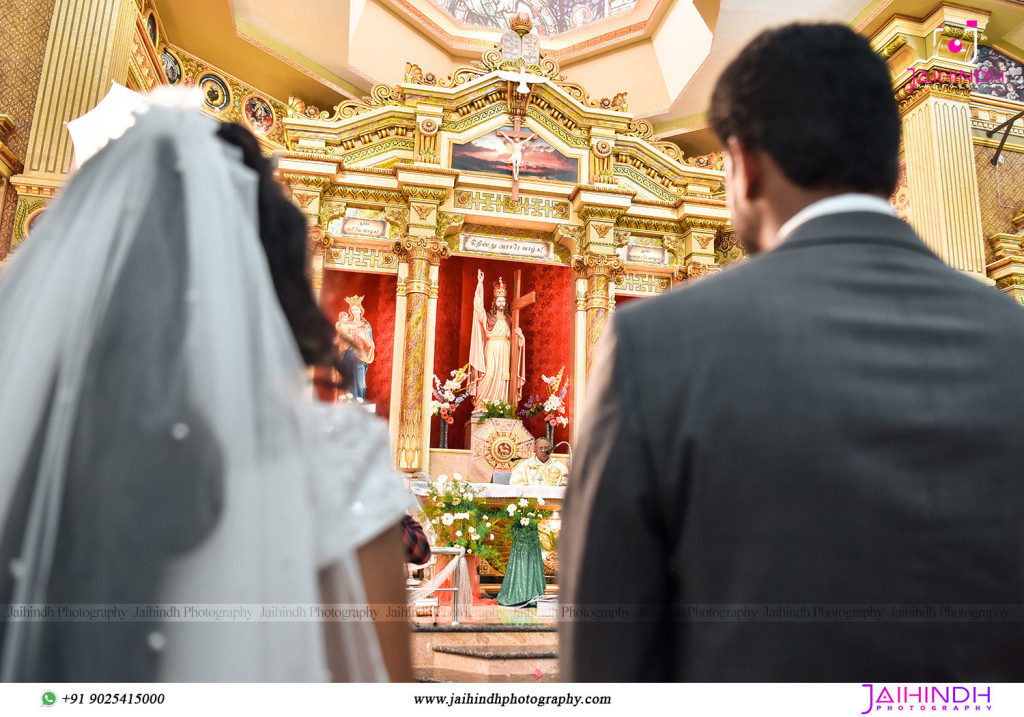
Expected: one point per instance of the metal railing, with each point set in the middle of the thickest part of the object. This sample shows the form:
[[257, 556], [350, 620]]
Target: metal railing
[[456, 575]]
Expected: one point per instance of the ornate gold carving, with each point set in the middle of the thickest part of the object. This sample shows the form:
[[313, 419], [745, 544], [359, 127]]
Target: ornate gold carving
[[309, 181], [948, 85], [427, 194], [366, 194], [703, 224], [449, 223], [415, 76], [520, 23], [398, 218], [429, 249], [640, 128], [363, 258], [319, 240], [428, 126], [592, 263], [893, 46], [645, 224], [422, 211], [961, 33], [602, 229], [602, 148], [637, 283], [618, 103], [693, 270], [592, 212], [373, 148], [714, 160], [499, 203], [644, 181], [383, 94], [728, 249]]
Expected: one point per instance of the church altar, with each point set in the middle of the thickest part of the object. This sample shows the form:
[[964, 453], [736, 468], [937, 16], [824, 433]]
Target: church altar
[[495, 495], [473, 233]]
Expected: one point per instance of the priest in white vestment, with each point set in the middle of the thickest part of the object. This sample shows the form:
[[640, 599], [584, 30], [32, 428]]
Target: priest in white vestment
[[540, 468]]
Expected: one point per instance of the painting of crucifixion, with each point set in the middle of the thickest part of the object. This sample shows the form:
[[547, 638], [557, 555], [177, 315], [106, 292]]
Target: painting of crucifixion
[[495, 152]]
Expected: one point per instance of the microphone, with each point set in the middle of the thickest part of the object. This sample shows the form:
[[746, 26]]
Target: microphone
[[566, 444]]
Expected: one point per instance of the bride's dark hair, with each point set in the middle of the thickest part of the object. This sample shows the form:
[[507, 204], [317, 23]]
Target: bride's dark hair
[[284, 234]]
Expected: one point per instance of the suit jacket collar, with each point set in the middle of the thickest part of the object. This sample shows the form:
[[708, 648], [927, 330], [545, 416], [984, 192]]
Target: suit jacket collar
[[856, 227]]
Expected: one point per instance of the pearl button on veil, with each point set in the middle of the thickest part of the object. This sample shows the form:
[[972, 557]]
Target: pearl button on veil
[[158, 439]]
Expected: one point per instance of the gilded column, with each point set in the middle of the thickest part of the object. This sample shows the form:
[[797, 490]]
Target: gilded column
[[695, 248], [931, 62], [599, 271], [941, 172], [88, 47], [421, 254]]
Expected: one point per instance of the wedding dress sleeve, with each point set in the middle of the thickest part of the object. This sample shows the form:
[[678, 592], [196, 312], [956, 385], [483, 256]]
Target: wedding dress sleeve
[[355, 492]]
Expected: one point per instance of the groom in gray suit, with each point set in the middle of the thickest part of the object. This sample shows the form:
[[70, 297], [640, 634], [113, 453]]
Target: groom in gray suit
[[806, 467]]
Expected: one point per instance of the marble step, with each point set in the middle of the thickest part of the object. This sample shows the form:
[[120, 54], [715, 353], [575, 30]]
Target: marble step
[[426, 637], [498, 660], [444, 675]]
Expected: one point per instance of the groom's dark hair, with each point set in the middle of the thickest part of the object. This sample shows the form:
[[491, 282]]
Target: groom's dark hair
[[819, 101]]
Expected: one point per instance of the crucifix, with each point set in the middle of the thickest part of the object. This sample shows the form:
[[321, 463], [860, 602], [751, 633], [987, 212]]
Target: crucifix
[[516, 139], [517, 303]]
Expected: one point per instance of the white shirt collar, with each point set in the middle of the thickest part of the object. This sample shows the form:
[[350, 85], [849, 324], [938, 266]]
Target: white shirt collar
[[839, 204]]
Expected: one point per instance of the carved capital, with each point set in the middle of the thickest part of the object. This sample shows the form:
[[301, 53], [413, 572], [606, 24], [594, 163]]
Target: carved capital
[[429, 248], [592, 264], [945, 84], [319, 240]]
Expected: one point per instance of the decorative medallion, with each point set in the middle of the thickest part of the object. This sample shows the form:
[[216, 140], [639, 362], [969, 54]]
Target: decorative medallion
[[151, 28], [602, 148], [215, 92], [259, 115], [172, 68], [495, 445], [429, 126]]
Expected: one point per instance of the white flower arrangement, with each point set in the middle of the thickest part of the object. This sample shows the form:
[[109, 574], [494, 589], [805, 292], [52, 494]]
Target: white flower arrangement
[[511, 508], [447, 518], [524, 502], [524, 521]]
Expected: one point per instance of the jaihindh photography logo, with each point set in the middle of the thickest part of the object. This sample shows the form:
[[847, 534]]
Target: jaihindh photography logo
[[883, 698]]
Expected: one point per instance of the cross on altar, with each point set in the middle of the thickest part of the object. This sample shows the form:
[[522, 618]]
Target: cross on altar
[[517, 303], [517, 137]]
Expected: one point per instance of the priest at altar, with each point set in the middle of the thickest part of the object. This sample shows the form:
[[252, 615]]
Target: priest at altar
[[540, 468]]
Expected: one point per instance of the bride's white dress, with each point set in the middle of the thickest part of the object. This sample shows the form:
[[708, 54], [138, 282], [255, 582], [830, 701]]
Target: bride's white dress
[[303, 485]]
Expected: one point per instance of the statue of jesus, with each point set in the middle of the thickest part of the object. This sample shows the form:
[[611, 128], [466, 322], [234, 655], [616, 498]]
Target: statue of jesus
[[515, 148], [490, 350]]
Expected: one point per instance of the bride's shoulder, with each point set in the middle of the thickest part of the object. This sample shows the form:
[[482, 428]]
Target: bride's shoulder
[[337, 420]]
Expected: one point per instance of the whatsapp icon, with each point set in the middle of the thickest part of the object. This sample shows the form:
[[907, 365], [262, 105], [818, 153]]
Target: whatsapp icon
[[49, 699]]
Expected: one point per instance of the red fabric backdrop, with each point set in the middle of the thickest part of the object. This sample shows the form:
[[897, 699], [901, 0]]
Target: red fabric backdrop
[[379, 303], [623, 299], [547, 326]]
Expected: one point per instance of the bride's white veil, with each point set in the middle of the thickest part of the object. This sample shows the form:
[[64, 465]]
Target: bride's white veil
[[152, 394]]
